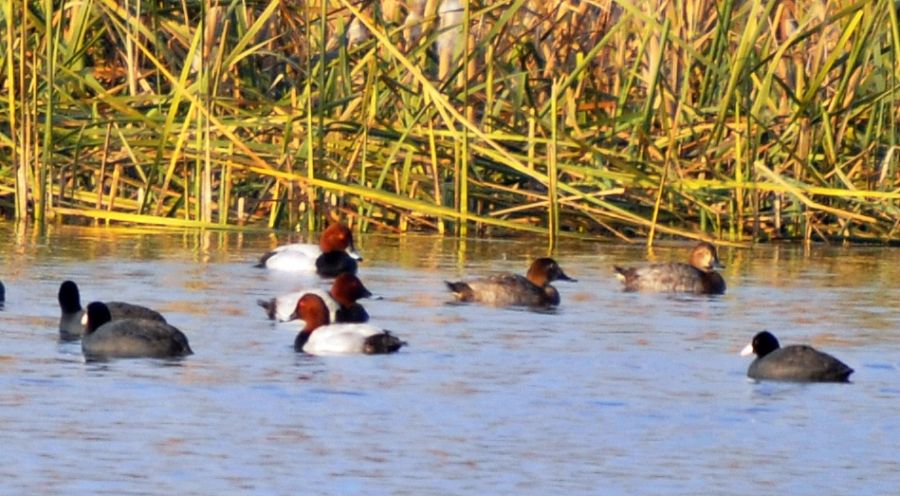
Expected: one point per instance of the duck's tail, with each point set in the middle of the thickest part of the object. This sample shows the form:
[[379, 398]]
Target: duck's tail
[[382, 343], [180, 345], [624, 274], [269, 306], [264, 259], [461, 290]]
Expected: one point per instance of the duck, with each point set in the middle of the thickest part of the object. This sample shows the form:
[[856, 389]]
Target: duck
[[70, 320], [340, 300], [2, 294], [507, 289], [796, 363], [699, 276], [319, 337], [130, 337], [334, 255]]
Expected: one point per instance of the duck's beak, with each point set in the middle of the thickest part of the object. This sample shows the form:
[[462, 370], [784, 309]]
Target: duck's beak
[[563, 277], [354, 254], [748, 350]]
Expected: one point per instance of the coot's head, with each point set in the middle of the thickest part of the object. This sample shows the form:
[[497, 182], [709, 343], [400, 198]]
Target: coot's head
[[96, 315], [69, 299], [763, 344]]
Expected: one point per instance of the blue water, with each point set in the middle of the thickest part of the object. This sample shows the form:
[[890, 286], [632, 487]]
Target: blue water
[[614, 393]]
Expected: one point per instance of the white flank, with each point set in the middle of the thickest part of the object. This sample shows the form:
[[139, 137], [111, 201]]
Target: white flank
[[337, 339], [287, 303]]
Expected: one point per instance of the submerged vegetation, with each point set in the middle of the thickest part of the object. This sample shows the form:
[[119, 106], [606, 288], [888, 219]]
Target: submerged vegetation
[[734, 120]]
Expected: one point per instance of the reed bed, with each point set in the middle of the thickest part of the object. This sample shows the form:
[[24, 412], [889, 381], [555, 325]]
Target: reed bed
[[732, 120]]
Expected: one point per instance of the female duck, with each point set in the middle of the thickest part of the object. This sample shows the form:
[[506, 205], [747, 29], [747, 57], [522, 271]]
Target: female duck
[[129, 338], [697, 277], [341, 301], [321, 338], [798, 363], [512, 289], [70, 320], [333, 255]]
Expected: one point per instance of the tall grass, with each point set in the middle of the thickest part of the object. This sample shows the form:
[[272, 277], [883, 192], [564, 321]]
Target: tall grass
[[732, 120]]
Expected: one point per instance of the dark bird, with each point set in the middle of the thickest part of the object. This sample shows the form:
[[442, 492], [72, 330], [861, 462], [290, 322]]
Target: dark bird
[[129, 338], [798, 362]]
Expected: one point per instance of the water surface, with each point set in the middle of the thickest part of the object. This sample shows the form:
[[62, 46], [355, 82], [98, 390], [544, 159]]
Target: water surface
[[613, 393]]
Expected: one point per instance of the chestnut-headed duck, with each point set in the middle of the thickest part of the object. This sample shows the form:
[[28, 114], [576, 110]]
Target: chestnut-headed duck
[[533, 290], [335, 254], [697, 277], [129, 338], [319, 337], [70, 320], [340, 300], [797, 362]]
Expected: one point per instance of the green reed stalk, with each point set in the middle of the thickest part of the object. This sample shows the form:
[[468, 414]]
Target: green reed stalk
[[225, 188], [435, 175], [740, 158], [740, 59], [13, 105], [310, 136], [464, 157], [711, 78], [888, 167], [653, 82], [552, 174], [51, 43], [368, 111]]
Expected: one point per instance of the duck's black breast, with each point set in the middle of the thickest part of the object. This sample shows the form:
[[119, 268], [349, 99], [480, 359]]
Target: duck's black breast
[[301, 340], [354, 313], [712, 283], [335, 263]]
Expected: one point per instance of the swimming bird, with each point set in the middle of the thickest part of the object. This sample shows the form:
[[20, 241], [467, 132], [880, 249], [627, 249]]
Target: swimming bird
[[70, 326], [533, 289], [699, 276], [2, 294], [798, 363], [341, 301], [319, 337], [129, 338], [335, 254]]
